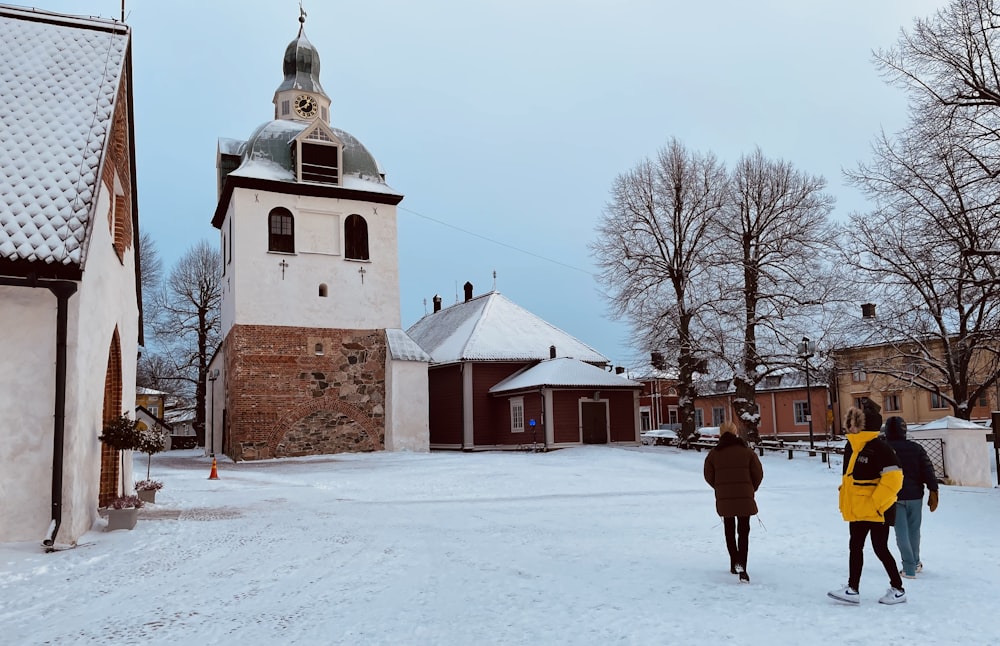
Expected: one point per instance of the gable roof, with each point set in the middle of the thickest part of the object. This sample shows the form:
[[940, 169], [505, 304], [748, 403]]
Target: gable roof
[[403, 348], [491, 327], [59, 78], [563, 372]]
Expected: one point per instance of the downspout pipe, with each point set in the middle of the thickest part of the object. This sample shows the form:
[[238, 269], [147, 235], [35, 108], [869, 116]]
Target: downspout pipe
[[63, 290]]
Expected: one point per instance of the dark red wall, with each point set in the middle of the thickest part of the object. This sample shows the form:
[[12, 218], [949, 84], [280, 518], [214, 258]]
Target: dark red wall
[[445, 404]]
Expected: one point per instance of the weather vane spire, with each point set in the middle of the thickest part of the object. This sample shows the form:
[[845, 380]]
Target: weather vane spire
[[302, 16]]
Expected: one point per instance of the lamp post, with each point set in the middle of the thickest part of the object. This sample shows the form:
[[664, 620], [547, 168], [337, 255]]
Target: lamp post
[[806, 350], [211, 412]]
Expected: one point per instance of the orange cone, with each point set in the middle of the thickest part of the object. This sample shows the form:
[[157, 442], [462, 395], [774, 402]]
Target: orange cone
[[215, 472]]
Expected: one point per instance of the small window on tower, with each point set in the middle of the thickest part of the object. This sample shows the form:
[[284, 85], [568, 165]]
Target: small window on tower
[[324, 115], [322, 290], [355, 237], [281, 231], [319, 349], [285, 108]]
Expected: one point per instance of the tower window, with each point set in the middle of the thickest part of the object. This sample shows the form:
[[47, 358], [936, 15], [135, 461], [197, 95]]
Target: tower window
[[355, 237], [319, 349], [324, 114], [281, 231], [322, 290], [285, 108]]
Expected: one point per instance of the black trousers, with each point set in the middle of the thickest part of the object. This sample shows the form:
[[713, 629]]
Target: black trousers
[[880, 543], [737, 539]]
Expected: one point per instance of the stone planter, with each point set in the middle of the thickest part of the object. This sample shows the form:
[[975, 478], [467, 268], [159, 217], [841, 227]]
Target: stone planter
[[122, 518], [147, 495]]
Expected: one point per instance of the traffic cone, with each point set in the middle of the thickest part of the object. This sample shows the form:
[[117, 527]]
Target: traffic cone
[[215, 472]]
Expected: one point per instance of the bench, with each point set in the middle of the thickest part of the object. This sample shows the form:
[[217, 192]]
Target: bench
[[778, 445]]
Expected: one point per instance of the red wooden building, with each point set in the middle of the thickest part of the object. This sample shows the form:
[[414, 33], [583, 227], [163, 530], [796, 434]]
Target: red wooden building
[[501, 377]]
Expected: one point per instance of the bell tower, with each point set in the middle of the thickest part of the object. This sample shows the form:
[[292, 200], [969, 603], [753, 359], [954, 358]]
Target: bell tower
[[310, 296]]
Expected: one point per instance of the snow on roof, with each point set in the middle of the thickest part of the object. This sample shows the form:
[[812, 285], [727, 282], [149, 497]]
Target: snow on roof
[[491, 327], [563, 372], [403, 348], [142, 390], [59, 78], [948, 422]]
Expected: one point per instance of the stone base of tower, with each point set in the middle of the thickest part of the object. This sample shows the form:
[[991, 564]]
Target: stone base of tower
[[293, 391]]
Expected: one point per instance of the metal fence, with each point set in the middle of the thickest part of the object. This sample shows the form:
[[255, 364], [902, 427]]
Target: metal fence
[[935, 451]]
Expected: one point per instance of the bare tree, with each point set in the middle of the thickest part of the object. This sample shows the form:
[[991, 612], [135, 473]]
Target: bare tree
[[949, 65], [934, 201], [651, 248], [190, 318], [773, 273]]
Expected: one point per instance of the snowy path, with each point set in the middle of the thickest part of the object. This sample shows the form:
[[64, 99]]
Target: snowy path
[[581, 546]]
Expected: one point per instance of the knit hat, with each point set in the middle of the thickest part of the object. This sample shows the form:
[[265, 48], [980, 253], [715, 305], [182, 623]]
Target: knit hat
[[873, 420], [895, 428]]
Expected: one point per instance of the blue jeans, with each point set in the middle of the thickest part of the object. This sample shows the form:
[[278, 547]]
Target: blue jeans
[[908, 514]]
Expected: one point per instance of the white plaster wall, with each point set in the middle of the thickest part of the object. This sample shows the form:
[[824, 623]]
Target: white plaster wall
[[965, 460], [106, 297], [260, 296], [215, 402], [227, 306], [406, 425], [27, 345]]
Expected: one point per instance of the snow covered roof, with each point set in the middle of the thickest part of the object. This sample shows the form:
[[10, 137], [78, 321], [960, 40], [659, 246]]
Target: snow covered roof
[[142, 390], [59, 79], [948, 422], [491, 327], [563, 372], [403, 348], [267, 154]]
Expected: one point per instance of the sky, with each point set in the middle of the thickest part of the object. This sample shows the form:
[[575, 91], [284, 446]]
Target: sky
[[586, 546], [505, 123]]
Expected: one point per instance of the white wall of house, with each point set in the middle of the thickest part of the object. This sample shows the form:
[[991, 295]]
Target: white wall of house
[[106, 297], [406, 425], [28, 346], [259, 290]]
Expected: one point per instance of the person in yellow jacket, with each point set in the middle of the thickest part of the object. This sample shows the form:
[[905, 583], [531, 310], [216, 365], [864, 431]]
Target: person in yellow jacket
[[872, 479]]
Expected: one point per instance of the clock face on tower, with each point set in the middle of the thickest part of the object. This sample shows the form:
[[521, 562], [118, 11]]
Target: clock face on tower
[[305, 106]]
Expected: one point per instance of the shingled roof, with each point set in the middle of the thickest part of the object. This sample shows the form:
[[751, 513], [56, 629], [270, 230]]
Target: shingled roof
[[59, 79]]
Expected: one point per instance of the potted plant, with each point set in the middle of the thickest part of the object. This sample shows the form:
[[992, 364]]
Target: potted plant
[[151, 440], [123, 512], [146, 490], [122, 434]]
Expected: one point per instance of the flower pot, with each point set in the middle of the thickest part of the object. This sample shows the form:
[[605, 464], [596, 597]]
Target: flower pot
[[147, 495], [122, 518]]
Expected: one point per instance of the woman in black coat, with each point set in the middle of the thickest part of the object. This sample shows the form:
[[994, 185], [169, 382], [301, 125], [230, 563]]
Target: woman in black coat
[[735, 472]]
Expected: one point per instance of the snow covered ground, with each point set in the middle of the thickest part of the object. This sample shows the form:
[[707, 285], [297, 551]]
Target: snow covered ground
[[591, 545]]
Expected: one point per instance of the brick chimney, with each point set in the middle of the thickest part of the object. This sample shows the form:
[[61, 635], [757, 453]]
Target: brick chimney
[[437, 303], [468, 291]]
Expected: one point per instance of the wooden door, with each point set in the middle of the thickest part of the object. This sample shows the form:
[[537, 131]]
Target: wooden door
[[594, 422]]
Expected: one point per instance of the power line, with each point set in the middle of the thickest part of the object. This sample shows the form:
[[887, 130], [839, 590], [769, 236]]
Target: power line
[[496, 242]]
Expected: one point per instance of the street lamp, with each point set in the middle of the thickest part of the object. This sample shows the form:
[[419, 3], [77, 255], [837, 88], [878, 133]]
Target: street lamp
[[806, 351], [211, 412]]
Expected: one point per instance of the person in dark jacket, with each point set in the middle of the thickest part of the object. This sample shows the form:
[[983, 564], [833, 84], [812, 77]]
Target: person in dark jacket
[[871, 480], [917, 472], [735, 472]]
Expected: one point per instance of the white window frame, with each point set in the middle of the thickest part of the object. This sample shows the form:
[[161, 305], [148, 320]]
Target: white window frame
[[800, 411], [718, 415], [517, 414], [938, 402]]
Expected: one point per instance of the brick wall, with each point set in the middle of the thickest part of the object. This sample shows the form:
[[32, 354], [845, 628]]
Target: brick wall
[[294, 391]]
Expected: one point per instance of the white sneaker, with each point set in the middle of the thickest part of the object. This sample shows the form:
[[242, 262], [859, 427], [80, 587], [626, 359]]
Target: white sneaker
[[847, 594], [893, 596]]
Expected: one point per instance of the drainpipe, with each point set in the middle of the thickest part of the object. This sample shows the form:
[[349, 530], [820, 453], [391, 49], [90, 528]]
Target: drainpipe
[[63, 290]]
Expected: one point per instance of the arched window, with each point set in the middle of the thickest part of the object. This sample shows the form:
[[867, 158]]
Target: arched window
[[355, 237], [281, 231], [322, 290]]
